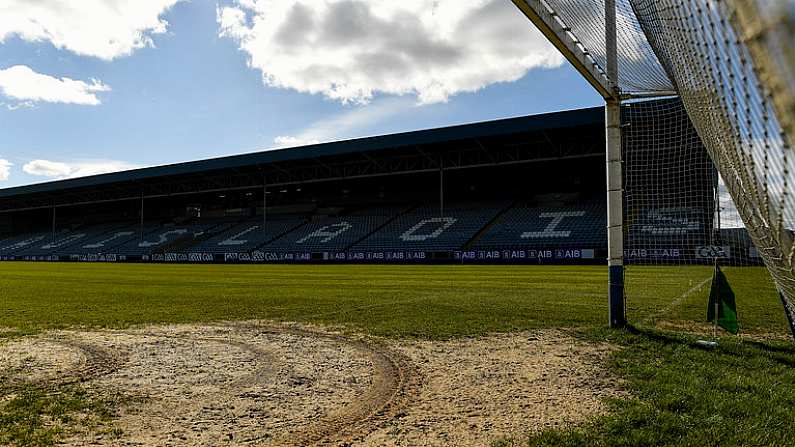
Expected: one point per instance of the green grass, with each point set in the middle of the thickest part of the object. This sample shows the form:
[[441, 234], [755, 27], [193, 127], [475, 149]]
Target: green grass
[[740, 394], [743, 393], [40, 416], [425, 301]]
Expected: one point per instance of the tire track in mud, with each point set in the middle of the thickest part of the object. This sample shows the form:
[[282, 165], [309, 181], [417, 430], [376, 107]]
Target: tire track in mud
[[98, 362], [263, 372], [395, 381]]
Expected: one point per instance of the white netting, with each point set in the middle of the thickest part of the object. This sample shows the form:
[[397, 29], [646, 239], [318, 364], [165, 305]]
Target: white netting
[[669, 186], [733, 112], [638, 68], [678, 213], [732, 63]]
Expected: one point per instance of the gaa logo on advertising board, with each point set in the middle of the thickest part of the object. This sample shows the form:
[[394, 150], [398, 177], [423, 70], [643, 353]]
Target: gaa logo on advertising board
[[713, 251]]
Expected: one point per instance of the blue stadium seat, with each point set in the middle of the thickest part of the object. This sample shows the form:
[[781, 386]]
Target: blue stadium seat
[[332, 233], [16, 245], [524, 226], [156, 238], [66, 241], [668, 226], [103, 239], [246, 236], [423, 229]]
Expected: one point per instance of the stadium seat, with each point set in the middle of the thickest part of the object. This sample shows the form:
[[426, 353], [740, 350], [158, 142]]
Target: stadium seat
[[525, 226], [246, 236], [424, 229], [66, 242], [16, 245], [333, 233], [127, 240]]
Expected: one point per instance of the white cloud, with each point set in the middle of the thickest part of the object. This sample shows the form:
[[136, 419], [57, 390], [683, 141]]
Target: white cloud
[[62, 170], [46, 168], [290, 141], [18, 105], [350, 50], [5, 169], [102, 28], [21, 105], [349, 124], [21, 83]]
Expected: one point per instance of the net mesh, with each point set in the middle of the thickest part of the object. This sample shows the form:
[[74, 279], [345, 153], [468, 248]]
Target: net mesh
[[669, 186], [678, 215], [700, 45], [732, 64], [639, 70]]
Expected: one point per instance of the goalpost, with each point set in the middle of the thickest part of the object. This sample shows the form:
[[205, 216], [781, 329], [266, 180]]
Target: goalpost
[[614, 173], [731, 68]]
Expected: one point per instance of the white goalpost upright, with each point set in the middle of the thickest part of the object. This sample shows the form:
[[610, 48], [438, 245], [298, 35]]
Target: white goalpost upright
[[615, 184], [605, 81]]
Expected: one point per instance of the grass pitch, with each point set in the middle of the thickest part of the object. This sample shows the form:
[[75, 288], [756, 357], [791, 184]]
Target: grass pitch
[[422, 301], [742, 393]]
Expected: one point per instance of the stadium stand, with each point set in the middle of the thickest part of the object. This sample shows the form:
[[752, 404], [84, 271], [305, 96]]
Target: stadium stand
[[65, 240], [527, 226], [102, 239], [667, 234], [483, 226], [673, 222], [425, 229], [246, 236], [158, 237], [333, 233], [671, 225], [16, 244], [520, 184]]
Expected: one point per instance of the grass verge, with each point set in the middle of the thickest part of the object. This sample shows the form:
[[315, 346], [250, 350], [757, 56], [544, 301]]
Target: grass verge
[[739, 394], [40, 416]]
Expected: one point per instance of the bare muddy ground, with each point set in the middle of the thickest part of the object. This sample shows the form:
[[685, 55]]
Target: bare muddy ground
[[499, 387], [266, 384]]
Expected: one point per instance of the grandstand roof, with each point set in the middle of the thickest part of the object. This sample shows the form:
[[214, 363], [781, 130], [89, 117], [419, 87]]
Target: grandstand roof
[[486, 143]]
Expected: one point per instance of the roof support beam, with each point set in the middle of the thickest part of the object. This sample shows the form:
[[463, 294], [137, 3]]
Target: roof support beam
[[550, 24]]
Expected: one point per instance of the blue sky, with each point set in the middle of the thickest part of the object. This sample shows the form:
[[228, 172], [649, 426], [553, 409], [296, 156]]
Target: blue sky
[[145, 82]]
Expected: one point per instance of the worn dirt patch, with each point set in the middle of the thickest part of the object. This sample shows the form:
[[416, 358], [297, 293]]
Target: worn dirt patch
[[499, 387], [32, 360], [266, 384], [53, 360]]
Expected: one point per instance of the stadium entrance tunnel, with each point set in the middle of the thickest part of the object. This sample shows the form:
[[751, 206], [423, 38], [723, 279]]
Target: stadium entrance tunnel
[[256, 383]]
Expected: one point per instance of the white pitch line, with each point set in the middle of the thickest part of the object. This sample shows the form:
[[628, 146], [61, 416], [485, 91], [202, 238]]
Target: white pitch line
[[678, 300]]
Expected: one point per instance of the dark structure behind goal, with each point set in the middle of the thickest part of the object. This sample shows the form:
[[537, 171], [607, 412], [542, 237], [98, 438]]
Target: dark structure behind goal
[[520, 190]]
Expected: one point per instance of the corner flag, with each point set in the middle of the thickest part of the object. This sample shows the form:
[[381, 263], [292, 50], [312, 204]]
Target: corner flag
[[721, 298]]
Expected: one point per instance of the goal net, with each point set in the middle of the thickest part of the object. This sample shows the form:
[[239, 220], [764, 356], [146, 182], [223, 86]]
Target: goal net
[[708, 175]]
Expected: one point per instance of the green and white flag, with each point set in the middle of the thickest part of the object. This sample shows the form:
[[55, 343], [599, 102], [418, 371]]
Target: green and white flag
[[721, 298]]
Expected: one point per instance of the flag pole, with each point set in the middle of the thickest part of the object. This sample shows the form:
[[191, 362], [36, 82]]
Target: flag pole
[[716, 284], [710, 344]]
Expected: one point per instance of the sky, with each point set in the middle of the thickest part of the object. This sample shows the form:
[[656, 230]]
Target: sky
[[105, 85]]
